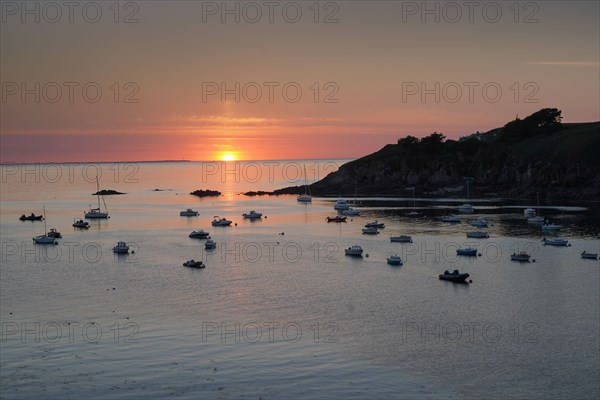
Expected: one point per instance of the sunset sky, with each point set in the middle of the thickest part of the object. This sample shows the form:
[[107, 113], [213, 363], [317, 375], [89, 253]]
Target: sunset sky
[[158, 76]]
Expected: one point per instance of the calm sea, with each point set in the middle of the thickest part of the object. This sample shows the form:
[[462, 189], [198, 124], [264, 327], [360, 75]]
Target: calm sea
[[280, 311]]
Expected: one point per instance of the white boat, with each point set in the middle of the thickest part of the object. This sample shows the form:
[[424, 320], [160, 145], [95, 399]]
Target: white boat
[[521, 257], [413, 213], [351, 212], [341, 204], [551, 227], [370, 231], [44, 239], [81, 224], [536, 220], [468, 251], [220, 221], [453, 218], [121, 248], [306, 197], [188, 213], [480, 223], [210, 244], [592, 256], [532, 215], [466, 207], [252, 215], [478, 235], [394, 260], [199, 234], [555, 241], [194, 264], [355, 251], [401, 239], [375, 224], [97, 213]]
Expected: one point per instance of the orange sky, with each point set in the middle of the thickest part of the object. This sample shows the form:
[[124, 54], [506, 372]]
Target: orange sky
[[176, 81]]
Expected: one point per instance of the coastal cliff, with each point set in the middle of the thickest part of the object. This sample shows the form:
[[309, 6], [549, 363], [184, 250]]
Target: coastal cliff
[[525, 157]]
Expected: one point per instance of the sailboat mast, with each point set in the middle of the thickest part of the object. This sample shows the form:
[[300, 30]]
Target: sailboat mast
[[98, 192], [45, 229]]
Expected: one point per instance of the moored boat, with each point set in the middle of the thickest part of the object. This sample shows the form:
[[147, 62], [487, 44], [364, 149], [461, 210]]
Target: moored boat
[[81, 224], [355, 251], [252, 215], [341, 204], [452, 218], [188, 213], [31, 217], [220, 221], [54, 234], [375, 224], [478, 235], [401, 239], [454, 276], [394, 260], [370, 231], [521, 256], [121, 248], [210, 244], [468, 251], [351, 212], [551, 227], [591, 256], [337, 218], [201, 234], [555, 241], [194, 264], [480, 223], [97, 213]]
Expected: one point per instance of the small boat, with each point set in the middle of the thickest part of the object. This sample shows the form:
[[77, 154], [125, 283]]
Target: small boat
[[198, 234], [194, 264], [44, 239], [394, 260], [210, 244], [452, 218], [413, 214], [31, 217], [401, 239], [466, 208], [81, 224], [351, 212], [252, 215], [478, 235], [54, 234], [355, 251], [468, 251], [480, 223], [555, 241], [536, 220], [188, 213], [306, 197], [529, 212], [337, 218], [375, 224], [522, 257], [551, 227], [454, 276], [341, 204], [121, 248], [220, 221], [592, 256], [370, 231], [96, 213]]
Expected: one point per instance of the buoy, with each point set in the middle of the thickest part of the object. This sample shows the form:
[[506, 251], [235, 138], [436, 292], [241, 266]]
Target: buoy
[[479, 254], [532, 260], [265, 217], [235, 224], [470, 280], [132, 251], [367, 255]]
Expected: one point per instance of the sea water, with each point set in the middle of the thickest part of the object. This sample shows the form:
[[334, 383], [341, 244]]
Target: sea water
[[280, 311]]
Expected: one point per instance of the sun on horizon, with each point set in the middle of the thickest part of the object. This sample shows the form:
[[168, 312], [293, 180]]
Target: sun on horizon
[[228, 157]]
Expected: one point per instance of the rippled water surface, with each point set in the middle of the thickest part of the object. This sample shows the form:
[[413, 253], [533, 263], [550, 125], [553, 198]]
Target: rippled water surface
[[280, 311]]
